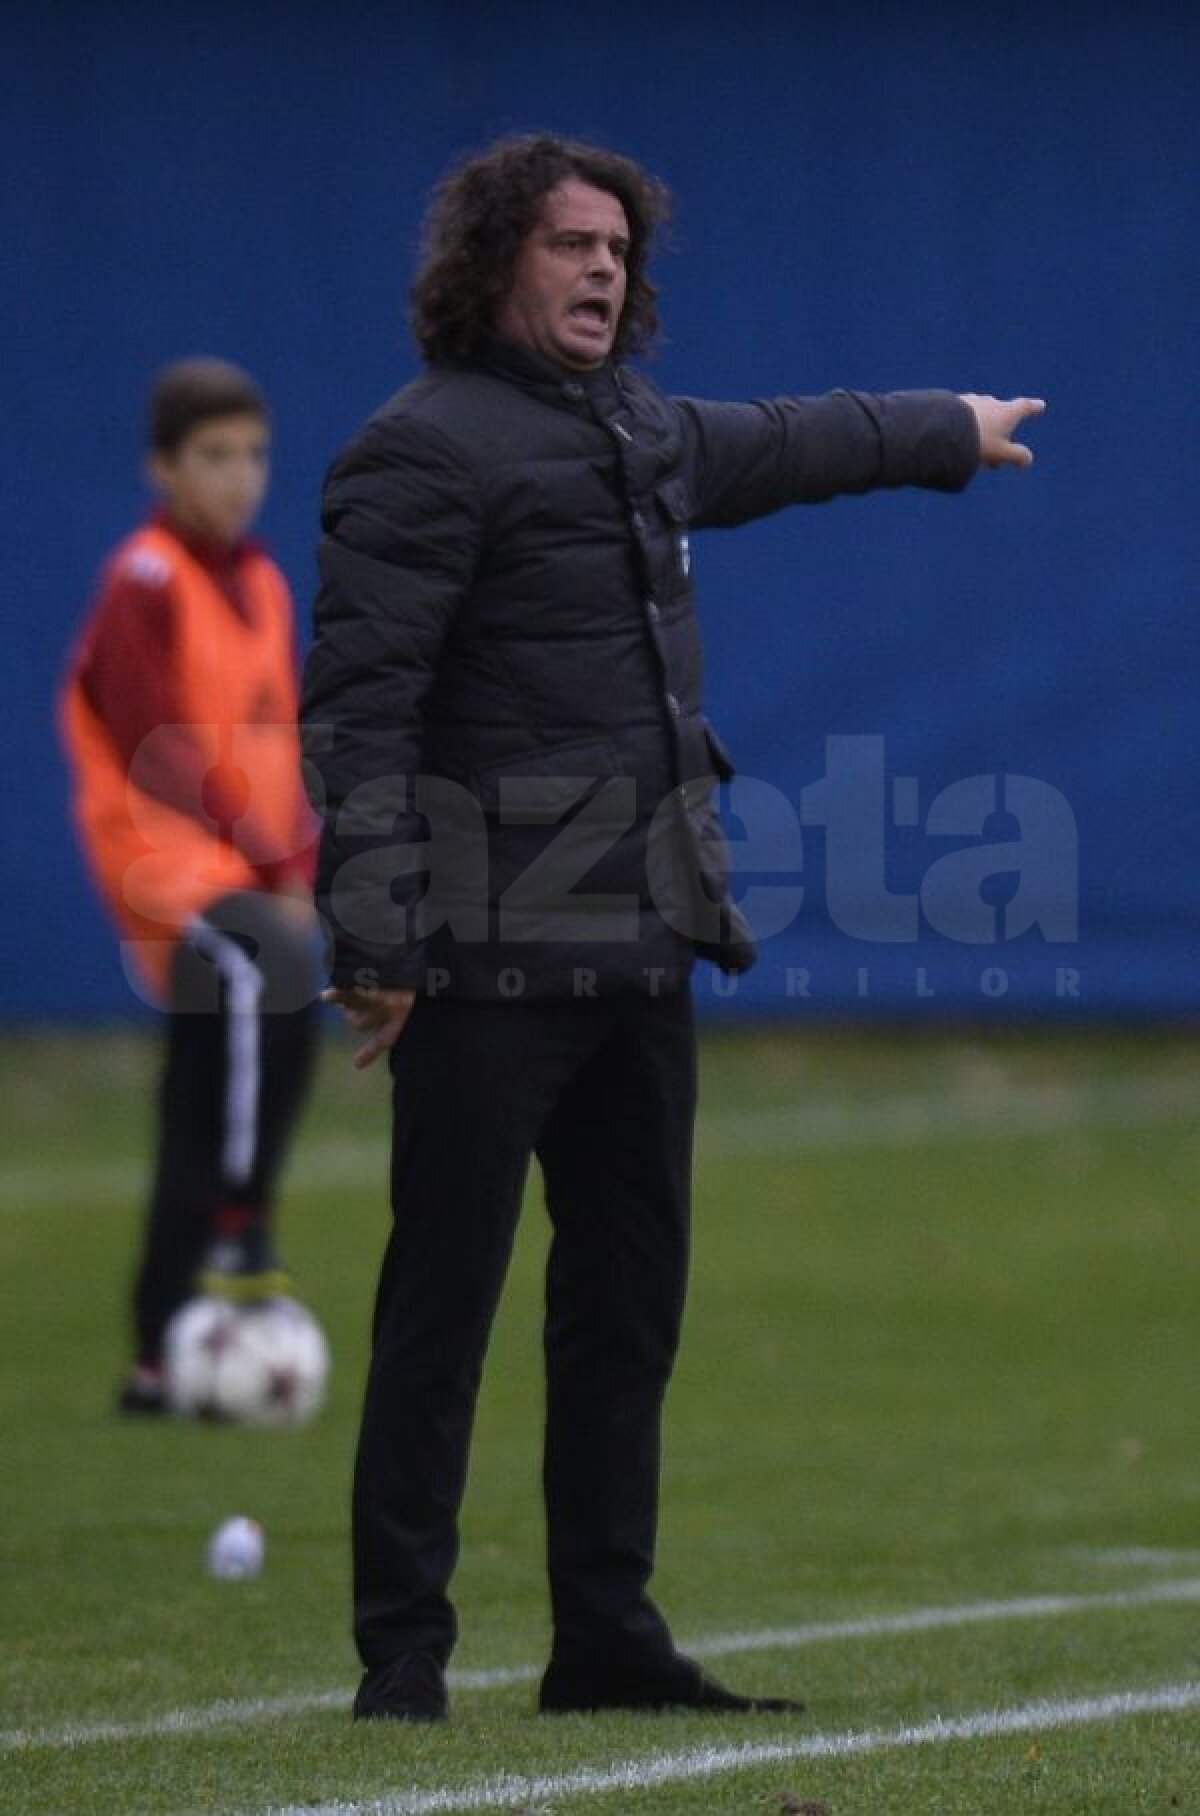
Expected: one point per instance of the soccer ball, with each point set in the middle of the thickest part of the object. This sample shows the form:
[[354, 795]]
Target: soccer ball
[[256, 1364]]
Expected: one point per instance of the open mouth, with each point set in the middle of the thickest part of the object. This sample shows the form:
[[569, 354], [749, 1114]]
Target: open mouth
[[594, 312]]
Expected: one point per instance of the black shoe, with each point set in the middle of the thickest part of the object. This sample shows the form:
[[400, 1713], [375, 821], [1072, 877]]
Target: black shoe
[[671, 1683], [411, 1688], [141, 1393], [244, 1267]]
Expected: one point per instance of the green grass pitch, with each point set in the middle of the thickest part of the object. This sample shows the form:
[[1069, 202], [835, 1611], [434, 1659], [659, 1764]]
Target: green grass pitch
[[942, 1351]]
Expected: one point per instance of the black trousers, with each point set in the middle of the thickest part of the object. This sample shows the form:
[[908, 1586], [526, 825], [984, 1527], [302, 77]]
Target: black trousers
[[240, 1045], [604, 1093]]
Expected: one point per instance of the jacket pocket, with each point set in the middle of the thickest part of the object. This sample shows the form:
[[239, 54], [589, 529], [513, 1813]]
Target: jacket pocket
[[543, 783]]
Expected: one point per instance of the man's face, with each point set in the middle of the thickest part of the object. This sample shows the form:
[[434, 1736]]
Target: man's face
[[568, 287], [215, 480]]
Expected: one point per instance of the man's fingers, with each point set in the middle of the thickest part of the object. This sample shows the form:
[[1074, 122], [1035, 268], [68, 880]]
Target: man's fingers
[[383, 1038], [382, 1014], [997, 419], [1016, 411], [369, 1052], [356, 1013], [386, 1034]]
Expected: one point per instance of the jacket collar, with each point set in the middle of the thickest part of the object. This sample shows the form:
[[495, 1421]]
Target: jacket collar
[[646, 433], [555, 383]]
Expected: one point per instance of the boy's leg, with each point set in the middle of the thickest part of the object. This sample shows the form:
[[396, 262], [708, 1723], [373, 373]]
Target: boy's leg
[[186, 1186], [240, 1044], [263, 954]]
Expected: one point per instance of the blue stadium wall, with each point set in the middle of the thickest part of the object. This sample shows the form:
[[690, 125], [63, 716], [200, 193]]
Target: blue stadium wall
[[997, 197]]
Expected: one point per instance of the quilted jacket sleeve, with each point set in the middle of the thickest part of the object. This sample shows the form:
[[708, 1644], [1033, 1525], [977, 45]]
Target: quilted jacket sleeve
[[401, 522], [747, 460]]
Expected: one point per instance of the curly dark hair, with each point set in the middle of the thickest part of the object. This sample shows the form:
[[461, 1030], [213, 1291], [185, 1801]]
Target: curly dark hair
[[484, 209]]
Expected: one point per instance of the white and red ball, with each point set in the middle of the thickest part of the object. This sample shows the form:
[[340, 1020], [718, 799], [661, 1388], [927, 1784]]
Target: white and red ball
[[265, 1363]]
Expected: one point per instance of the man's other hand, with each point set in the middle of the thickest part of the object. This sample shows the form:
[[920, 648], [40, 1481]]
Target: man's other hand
[[997, 418], [380, 1013]]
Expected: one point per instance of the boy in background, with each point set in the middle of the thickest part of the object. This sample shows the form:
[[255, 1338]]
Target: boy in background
[[178, 715]]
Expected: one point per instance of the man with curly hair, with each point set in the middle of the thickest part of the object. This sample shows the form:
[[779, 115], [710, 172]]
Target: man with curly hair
[[522, 861]]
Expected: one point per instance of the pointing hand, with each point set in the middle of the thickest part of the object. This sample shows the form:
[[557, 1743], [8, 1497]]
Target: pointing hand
[[997, 418]]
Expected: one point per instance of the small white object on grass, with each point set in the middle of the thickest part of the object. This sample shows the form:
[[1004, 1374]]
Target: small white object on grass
[[236, 1549]]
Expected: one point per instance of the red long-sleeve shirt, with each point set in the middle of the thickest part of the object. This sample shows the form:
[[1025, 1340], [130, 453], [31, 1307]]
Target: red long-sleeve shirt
[[179, 717], [132, 677]]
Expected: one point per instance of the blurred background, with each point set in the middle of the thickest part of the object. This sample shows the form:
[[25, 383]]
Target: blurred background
[[995, 198], [968, 1369]]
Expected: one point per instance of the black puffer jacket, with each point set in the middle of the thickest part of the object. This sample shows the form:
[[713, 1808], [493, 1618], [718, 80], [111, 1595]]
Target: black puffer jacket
[[503, 706]]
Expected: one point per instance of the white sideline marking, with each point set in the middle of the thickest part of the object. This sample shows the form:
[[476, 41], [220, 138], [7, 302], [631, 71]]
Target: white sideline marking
[[232, 1713], [928, 1620], [711, 1762], [900, 1121], [1134, 1557], [229, 1712]]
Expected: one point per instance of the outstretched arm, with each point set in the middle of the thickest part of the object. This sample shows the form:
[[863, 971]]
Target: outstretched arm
[[743, 461]]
